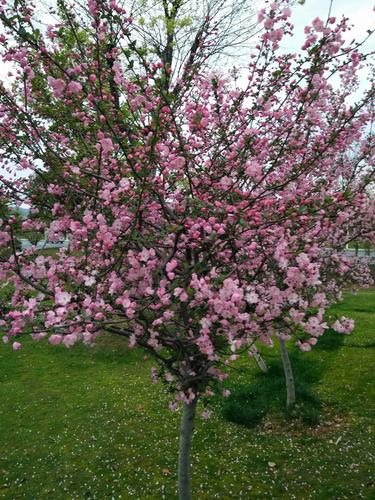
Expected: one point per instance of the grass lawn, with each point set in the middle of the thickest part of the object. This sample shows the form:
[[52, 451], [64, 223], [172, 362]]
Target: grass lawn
[[87, 423]]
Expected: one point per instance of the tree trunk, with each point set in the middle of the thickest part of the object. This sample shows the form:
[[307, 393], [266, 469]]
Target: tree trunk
[[259, 359], [288, 372], [186, 435]]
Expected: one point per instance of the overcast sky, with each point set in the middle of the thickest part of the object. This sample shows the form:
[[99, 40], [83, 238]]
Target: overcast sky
[[360, 13]]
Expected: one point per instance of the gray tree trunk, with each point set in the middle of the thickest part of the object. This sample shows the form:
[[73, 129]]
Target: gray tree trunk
[[186, 435], [288, 372], [259, 359]]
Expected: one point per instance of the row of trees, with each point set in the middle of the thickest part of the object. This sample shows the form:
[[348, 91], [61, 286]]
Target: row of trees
[[203, 218]]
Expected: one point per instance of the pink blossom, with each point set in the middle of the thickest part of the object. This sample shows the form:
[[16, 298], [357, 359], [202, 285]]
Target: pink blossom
[[344, 325], [57, 85], [16, 346], [304, 346], [318, 24], [107, 145], [38, 336], [4, 238], [261, 15], [62, 298], [206, 414], [226, 182], [252, 298], [171, 265], [55, 339], [70, 339], [74, 87]]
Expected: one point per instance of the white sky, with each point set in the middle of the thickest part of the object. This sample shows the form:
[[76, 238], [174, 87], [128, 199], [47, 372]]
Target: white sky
[[361, 17], [359, 12]]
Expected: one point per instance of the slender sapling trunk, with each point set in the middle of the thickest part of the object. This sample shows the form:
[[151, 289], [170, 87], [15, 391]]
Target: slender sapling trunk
[[288, 372], [186, 436], [259, 359]]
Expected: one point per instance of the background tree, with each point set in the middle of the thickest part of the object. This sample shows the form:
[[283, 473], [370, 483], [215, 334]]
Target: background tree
[[187, 35]]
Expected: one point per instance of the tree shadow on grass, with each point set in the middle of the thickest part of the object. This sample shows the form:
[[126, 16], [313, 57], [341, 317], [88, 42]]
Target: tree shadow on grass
[[265, 393]]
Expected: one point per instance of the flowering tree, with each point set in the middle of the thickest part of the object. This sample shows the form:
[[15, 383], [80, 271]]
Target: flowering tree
[[326, 291], [199, 221]]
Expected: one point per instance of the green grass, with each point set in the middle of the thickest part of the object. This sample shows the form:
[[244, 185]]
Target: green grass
[[87, 423], [360, 244]]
